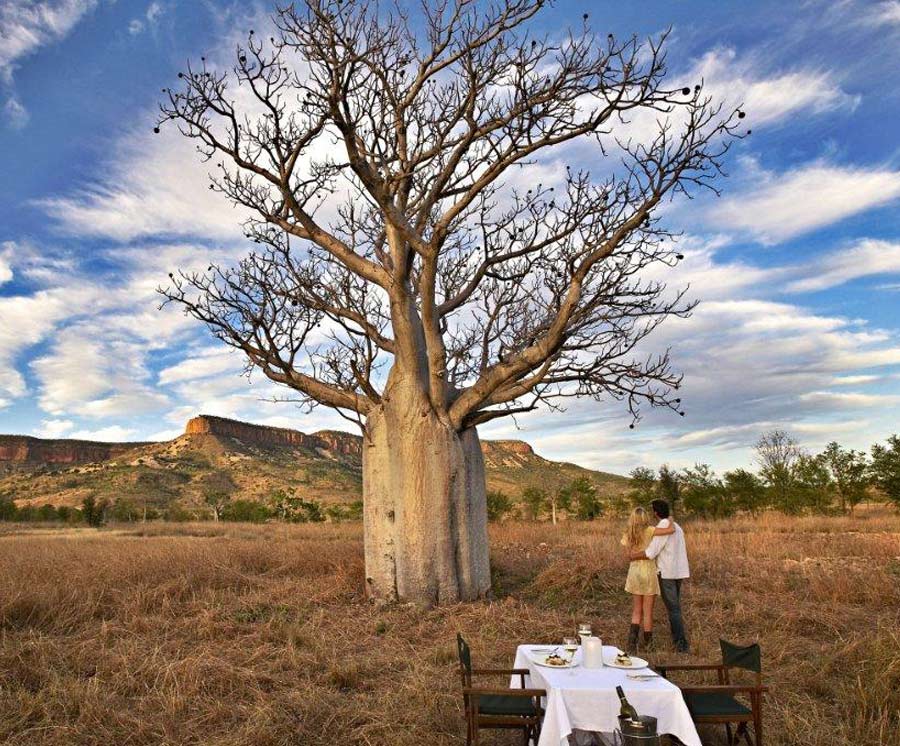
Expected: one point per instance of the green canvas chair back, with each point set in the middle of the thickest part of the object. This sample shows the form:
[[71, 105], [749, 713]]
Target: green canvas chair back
[[748, 657], [465, 659]]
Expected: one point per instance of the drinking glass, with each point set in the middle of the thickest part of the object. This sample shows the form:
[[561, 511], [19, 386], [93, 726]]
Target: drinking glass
[[571, 645], [584, 630]]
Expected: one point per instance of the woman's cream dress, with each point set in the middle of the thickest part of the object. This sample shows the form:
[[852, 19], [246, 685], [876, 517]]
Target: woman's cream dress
[[642, 580]]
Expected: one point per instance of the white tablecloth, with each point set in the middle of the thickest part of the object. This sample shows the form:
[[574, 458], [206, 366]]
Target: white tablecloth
[[585, 699]]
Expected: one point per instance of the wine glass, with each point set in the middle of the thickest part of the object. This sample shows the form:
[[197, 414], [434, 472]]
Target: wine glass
[[570, 644]]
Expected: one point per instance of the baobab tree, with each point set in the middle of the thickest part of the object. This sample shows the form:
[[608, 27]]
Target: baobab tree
[[411, 272]]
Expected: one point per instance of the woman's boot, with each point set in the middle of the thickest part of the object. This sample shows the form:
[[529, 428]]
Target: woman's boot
[[647, 640], [633, 633]]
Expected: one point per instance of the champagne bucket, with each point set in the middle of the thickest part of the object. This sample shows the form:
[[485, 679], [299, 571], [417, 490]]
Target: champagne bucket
[[640, 732]]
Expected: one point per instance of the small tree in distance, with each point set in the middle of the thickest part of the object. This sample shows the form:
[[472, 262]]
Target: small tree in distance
[[558, 500], [535, 500], [93, 511], [777, 453], [812, 487], [745, 490], [582, 496], [849, 472], [703, 493], [668, 486], [885, 469], [499, 505], [407, 277]]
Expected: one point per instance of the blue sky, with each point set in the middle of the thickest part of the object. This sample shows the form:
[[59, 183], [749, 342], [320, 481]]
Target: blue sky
[[797, 265]]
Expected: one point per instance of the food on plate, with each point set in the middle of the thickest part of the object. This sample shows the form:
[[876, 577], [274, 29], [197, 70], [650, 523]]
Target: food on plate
[[556, 660], [623, 659]]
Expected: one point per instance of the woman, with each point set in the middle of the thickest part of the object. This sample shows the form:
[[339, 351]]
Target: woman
[[642, 582]]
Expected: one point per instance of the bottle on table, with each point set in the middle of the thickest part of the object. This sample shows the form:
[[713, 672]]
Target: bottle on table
[[626, 709]]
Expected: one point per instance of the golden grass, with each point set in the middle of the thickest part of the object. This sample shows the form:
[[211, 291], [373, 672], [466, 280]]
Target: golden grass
[[232, 634]]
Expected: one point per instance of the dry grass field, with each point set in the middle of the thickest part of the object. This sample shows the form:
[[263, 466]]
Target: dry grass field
[[233, 634]]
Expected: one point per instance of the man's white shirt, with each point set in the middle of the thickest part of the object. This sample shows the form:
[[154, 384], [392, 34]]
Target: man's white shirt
[[670, 553]]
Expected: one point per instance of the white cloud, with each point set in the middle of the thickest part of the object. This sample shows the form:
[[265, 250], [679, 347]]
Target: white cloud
[[6, 255], [884, 13], [30, 24], [849, 400], [211, 361], [155, 185], [151, 17], [154, 11], [854, 380], [26, 321], [775, 207], [868, 257], [86, 374], [768, 97], [54, 428], [111, 434], [100, 330], [17, 115], [25, 27]]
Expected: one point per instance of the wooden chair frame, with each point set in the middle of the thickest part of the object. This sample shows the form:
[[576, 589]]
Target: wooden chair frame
[[476, 720], [753, 692]]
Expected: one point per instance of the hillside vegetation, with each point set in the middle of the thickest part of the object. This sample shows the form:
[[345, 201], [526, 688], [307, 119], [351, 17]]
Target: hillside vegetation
[[248, 462]]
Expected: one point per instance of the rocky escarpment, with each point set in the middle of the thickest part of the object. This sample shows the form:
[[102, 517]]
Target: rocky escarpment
[[325, 466], [330, 441], [25, 450], [508, 453]]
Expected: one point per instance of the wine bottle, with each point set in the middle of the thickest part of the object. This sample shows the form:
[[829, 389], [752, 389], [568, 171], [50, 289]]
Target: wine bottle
[[626, 710]]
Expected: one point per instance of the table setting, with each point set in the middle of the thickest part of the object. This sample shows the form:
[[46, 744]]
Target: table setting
[[587, 684]]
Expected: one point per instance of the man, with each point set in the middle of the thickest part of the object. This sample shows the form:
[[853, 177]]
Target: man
[[670, 554]]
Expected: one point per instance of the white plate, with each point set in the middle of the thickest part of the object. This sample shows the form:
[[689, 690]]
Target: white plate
[[543, 651], [541, 662], [636, 663]]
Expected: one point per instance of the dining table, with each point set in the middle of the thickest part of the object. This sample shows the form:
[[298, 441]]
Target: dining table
[[585, 699]]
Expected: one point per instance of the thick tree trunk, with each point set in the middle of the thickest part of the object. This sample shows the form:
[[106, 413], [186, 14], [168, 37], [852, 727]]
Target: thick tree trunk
[[425, 507]]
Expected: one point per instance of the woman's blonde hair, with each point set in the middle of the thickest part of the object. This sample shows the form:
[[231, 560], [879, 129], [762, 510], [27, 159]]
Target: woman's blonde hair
[[637, 523]]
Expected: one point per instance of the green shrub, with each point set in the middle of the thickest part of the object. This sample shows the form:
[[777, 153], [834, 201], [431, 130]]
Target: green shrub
[[26, 514], [246, 511], [286, 506], [534, 499], [47, 512], [93, 511], [124, 510], [177, 514], [582, 496], [498, 505], [8, 511], [68, 515]]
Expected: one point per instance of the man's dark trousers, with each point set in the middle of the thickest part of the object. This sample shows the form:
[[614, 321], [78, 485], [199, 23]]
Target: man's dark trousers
[[671, 594]]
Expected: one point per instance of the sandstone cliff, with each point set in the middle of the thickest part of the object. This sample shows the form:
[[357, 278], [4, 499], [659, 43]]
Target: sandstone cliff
[[257, 460], [330, 441], [25, 450]]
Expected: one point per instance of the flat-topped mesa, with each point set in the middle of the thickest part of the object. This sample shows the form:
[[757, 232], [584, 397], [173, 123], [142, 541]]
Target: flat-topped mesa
[[24, 449], [511, 446], [327, 440], [508, 453]]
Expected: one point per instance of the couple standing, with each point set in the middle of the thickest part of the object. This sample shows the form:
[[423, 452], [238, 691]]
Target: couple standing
[[659, 565]]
